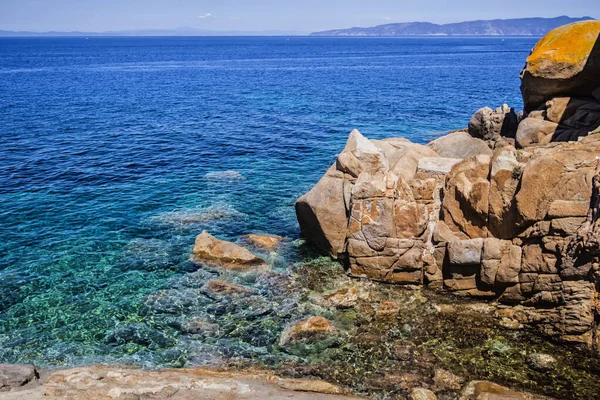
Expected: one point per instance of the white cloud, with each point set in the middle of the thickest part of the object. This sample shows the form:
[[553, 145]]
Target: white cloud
[[206, 16], [386, 18]]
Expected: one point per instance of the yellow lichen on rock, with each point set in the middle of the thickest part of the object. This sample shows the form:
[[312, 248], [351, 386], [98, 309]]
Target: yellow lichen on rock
[[570, 46]]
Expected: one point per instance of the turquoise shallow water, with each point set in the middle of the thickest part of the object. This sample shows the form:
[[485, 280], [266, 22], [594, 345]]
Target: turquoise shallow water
[[110, 147]]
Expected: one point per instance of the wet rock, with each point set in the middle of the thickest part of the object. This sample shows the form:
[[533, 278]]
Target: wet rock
[[224, 288], [484, 390], [211, 250], [565, 61], [311, 329], [387, 309], [265, 241], [13, 376], [197, 325], [343, 298], [459, 145], [492, 125], [422, 394], [139, 334], [446, 380], [541, 362]]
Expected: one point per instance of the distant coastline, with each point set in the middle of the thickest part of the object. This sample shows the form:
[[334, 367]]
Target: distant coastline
[[497, 27]]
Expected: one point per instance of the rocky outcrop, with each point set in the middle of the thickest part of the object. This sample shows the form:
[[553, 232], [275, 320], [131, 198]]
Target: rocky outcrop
[[14, 376], [308, 330], [565, 62], [502, 213], [210, 250], [102, 382], [488, 226]]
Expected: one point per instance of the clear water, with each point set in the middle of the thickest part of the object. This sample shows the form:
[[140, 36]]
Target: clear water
[[109, 147]]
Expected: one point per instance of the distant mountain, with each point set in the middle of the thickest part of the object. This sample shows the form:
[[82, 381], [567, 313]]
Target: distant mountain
[[185, 31], [496, 27]]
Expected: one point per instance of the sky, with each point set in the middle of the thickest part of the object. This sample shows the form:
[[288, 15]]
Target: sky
[[259, 15]]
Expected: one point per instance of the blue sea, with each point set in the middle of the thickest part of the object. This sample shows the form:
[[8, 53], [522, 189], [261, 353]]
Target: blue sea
[[113, 150]]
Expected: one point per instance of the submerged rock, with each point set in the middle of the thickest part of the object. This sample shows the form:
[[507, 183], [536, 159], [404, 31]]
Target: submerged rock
[[310, 330], [224, 175], [265, 241], [541, 362], [211, 250], [224, 288]]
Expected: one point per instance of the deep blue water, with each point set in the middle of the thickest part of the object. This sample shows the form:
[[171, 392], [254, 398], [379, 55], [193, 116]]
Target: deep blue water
[[106, 145]]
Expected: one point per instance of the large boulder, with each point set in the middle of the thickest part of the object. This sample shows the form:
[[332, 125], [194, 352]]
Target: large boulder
[[459, 144], [565, 62], [13, 376], [492, 125]]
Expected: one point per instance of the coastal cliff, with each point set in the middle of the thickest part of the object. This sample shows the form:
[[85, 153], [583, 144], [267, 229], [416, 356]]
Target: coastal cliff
[[505, 210]]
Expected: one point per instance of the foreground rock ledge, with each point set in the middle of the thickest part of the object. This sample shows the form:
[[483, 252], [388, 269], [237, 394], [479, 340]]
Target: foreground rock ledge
[[100, 382]]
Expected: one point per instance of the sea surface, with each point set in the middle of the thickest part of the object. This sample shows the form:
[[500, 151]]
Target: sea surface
[[112, 153]]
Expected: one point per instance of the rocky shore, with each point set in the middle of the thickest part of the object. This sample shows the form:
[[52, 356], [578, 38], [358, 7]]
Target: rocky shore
[[448, 267], [505, 210]]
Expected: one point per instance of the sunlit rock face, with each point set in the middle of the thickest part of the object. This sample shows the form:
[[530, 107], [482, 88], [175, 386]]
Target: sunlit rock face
[[495, 226]]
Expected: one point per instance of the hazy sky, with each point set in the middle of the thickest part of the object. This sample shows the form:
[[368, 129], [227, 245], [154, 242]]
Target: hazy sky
[[252, 15]]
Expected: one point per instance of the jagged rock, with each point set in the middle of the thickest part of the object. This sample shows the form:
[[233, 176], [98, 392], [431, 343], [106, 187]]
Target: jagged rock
[[492, 125], [211, 250], [312, 329], [265, 241], [13, 376], [436, 165], [460, 145], [565, 62], [196, 325]]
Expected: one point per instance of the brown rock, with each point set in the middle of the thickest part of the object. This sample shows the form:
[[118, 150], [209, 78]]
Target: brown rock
[[265, 241], [311, 329], [322, 213], [466, 197], [343, 298], [13, 376], [211, 250], [446, 380], [533, 131], [460, 145], [422, 394], [484, 390], [102, 382]]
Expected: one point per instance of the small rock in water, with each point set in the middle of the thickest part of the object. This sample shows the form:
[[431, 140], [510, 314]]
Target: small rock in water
[[541, 362], [265, 241], [422, 394], [387, 309], [16, 375], [224, 176], [343, 298], [224, 288], [211, 250], [311, 330], [195, 325]]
